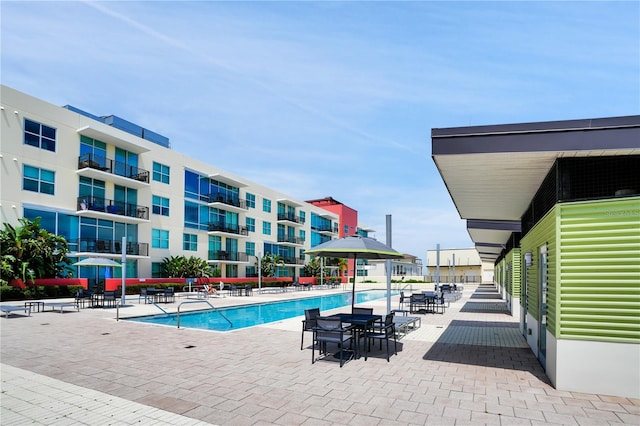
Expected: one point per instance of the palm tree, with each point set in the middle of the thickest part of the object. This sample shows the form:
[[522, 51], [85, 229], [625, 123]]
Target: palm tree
[[185, 267], [269, 263], [29, 252]]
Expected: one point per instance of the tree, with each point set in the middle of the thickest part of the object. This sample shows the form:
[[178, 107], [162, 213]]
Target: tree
[[313, 267], [185, 267], [269, 263], [28, 252]]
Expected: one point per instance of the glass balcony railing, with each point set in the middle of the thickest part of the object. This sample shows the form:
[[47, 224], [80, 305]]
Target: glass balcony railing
[[290, 239], [228, 255], [99, 162], [230, 201], [291, 218], [112, 207], [227, 228], [93, 245]]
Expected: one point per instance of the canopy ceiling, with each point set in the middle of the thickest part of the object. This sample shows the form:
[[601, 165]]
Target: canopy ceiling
[[493, 172]]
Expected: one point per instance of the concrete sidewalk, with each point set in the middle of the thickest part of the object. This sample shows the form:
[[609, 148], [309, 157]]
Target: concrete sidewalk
[[467, 366]]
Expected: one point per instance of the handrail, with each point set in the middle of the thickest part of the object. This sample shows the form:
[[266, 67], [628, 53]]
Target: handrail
[[213, 308], [120, 302]]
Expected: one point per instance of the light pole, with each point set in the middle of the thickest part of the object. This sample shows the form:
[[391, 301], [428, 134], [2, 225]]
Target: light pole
[[259, 256]]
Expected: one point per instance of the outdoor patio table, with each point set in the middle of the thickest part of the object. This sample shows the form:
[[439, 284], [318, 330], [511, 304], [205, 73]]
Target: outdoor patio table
[[359, 322]]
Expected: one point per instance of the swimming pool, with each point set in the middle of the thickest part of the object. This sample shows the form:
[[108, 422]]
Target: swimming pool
[[262, 313]]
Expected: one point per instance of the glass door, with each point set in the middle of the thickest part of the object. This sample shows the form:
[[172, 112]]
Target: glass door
[[542, 305]]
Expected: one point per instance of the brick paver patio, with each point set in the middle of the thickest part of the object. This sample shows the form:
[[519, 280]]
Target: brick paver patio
[[467, 366]]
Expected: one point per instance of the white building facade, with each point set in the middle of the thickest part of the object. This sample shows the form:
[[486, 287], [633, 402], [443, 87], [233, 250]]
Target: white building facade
[[102, 181]]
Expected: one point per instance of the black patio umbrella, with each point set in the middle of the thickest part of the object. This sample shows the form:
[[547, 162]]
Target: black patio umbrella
[[354, 247]]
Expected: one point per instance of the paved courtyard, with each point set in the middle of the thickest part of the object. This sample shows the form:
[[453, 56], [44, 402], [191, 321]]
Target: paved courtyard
[[467, 366]]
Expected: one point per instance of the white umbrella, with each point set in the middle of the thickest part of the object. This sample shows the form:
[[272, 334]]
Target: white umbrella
[[354, 247], [98, 261]]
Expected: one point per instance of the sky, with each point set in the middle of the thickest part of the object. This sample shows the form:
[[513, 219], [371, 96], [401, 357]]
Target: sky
[[318, 99]]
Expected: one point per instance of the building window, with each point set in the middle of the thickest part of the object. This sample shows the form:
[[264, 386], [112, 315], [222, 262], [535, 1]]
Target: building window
[[303, 216], [38, 180], [266, 228], [156, 270], [160, 205], [251, 224], [190, 242], [303, 235], [266, 205], [160, 173], [250, 248], [159, 238], [39, 135], [251, 201]]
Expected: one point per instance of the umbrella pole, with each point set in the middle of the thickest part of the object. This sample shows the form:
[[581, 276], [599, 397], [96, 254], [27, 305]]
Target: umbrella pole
[[353, 288]]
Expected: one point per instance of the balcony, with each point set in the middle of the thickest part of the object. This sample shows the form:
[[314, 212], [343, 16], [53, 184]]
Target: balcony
[[293, 261], [286, 217], [325, 229], [287, 240], [234, 204], [223, 256], [223, 228], [92, 165], [92, 246], [103, 208]]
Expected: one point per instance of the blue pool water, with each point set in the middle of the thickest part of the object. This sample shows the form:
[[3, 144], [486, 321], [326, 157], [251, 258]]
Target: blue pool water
[[250, 315]]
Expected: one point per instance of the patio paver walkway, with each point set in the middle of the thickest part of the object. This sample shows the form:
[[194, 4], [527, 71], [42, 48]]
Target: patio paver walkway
[[467, 366]]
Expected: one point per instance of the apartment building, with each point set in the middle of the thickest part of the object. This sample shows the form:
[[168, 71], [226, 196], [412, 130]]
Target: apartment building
[[108, 185]]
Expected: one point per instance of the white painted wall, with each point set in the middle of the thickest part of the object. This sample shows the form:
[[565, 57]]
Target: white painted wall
[[598, 367]]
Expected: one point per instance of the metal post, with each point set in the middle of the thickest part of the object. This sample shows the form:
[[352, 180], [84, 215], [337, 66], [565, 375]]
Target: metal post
[[388, 265], [454, 269], [437, 266], [123, 271], [259, 273]]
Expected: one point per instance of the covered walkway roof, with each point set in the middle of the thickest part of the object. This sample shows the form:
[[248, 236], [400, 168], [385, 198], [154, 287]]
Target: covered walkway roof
[[493, 172]]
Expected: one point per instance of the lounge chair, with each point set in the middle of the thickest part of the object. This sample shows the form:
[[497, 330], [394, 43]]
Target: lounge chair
[[309, 322], [8, 310]]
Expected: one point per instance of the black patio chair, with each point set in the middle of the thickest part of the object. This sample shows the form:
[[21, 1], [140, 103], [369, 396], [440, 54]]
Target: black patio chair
[[330, 330], [109, 299], [417, 301], [440, 303], [386, 332], [169, 295], [309, 322]]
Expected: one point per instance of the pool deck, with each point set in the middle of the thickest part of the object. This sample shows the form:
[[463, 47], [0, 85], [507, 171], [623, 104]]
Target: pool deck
[[467, 366]]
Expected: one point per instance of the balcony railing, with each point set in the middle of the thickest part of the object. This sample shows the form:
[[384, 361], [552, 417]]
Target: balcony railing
[[228, 255], [229, 229], [92, 245], [99, 162], [291, 218], [112, 207], [289, 239], [230, 201], [293, 261], [324, 228]]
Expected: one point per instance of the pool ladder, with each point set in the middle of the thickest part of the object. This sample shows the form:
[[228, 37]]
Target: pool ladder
[[213, 308]]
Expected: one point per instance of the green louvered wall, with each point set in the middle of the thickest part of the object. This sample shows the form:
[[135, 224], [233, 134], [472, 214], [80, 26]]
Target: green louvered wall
[[544, 232], [513, 277], [600, 270]]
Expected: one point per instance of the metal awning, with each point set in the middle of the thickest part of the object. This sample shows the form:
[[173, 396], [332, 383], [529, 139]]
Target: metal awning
[[493, 172]]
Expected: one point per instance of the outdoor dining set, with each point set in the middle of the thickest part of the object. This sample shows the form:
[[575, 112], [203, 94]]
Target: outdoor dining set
[[348, 332]]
